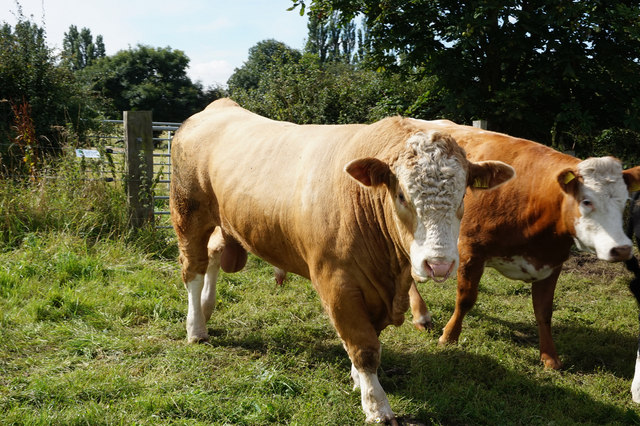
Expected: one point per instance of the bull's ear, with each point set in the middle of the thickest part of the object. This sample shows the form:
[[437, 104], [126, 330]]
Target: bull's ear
[[632, 178], [489, 174], [568, 179], [369, 171]]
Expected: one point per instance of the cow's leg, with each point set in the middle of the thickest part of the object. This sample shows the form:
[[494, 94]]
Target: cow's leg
[[469, 274], [542, 295], [214, 250], [349, 316], [419, 311], [635, 384]]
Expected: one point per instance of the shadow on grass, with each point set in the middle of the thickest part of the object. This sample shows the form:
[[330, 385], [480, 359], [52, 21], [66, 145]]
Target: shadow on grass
[[582, 348], [454, 386]]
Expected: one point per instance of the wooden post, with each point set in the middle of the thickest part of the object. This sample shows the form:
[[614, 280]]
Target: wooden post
[[482, 124], [138, 137]]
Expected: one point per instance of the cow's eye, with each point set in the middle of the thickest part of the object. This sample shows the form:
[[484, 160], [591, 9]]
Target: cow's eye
[[587, 203]]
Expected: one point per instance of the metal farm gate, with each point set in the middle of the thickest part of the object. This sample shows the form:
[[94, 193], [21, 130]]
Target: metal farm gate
[[147, 164]]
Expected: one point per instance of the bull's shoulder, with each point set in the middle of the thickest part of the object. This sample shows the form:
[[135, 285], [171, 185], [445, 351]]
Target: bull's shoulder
[[223, 103]]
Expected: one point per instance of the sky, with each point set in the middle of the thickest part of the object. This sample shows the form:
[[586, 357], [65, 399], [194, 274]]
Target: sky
[[216, 35]]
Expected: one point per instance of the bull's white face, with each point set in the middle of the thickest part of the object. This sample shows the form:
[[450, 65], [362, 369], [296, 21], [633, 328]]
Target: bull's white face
[[425, 187], [600, 203], [429, 201]]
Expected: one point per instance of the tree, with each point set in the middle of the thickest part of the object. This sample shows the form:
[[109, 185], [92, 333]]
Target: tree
[[147, 78], [302, 89], [263, 57], [38, 97], [79, 50], [330, 38], [538, 69]]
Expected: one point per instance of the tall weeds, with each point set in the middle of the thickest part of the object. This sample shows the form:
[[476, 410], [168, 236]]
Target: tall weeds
[[64, 193], [66, 197]]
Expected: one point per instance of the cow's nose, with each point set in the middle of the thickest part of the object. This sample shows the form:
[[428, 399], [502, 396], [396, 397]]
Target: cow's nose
[[438, 269], [619, 253]]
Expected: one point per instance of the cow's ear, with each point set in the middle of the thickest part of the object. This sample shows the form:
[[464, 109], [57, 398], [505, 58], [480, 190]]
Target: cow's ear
[[632, 178], [568, 179], [489, 174], [369, 171]]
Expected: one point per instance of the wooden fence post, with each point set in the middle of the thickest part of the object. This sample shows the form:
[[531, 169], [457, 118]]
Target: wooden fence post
[[138, 137], [482, 124]]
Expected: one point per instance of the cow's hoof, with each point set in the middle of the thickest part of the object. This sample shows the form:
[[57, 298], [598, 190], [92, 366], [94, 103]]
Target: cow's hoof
[[423, 323], [551, 363], [443, 341]]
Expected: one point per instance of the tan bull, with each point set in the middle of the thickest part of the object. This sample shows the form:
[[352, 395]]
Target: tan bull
[[359, 210]]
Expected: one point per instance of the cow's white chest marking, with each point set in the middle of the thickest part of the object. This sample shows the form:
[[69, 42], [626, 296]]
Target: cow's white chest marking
[[519, 268]]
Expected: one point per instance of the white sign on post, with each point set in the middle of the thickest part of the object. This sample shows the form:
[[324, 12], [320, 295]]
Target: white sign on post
[[87, 153]]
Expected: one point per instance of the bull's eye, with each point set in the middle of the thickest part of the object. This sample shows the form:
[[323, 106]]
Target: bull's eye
[[586, 203], [401, 199]]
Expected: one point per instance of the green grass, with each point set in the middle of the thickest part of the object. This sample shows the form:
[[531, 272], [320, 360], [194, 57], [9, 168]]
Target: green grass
[[93, 333]]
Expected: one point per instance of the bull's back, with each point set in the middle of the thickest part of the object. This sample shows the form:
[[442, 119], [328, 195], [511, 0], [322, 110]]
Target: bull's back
[[267, 183]]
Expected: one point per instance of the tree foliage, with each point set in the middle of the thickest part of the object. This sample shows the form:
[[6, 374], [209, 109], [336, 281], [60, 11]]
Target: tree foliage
[[147, 78], [31, 82], [263, 57], [281, 83], [79, 49], [539, 69], [330, 39]]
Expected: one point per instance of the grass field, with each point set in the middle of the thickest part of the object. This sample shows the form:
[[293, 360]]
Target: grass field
[[92, 332]]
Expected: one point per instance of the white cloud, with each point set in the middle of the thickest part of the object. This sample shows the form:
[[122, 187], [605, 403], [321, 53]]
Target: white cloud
[[216, 35], [211, 72]]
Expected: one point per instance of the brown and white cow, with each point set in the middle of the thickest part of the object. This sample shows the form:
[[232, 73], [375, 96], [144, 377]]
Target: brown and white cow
[[525, 228], [633, 231], [360, 210]]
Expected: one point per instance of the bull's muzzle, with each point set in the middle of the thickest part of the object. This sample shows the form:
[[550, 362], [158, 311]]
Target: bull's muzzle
[[438, 271]]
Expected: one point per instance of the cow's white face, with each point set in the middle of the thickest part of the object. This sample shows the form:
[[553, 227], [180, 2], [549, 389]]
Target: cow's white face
[[425, 191], [431, 186], [599, 193]]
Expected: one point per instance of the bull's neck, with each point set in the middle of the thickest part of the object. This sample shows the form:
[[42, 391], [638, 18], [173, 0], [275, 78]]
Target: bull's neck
[[378, 232]]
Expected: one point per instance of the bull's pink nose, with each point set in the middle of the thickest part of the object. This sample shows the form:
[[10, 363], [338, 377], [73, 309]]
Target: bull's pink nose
[[439, 269]]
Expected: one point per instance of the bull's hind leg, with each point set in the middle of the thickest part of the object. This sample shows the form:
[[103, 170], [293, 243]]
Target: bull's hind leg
[[419, 311], [194, 230]]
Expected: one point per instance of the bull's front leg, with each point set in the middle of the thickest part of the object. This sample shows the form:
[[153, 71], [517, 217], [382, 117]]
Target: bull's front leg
[[419, 311], [542, 295], [349, 316]]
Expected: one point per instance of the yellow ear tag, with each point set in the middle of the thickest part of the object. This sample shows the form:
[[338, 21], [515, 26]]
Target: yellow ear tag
[[481, 182], [569, 177], [635, 186]]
